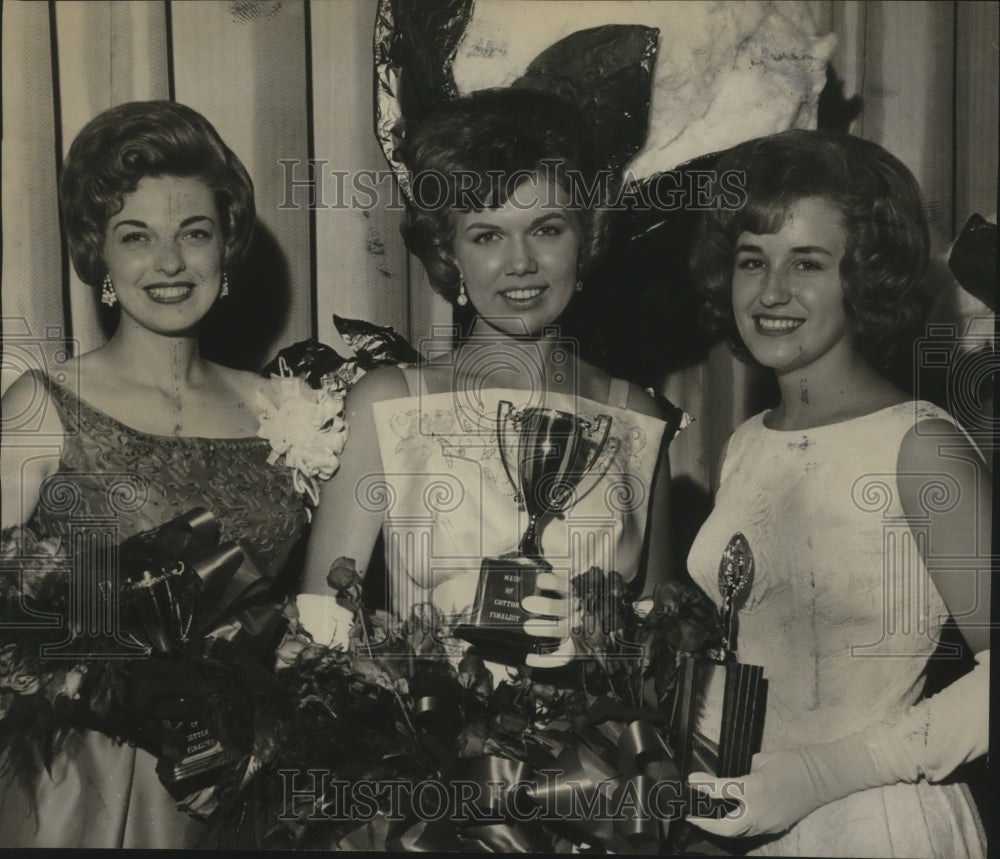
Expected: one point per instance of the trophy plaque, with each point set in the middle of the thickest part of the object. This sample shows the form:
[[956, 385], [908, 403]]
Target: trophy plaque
[[554, 452], [198, 764]]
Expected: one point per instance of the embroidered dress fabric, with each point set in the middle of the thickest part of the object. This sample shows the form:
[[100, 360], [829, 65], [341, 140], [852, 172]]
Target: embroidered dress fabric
[[448, 501], [101, 794], [841, 621]]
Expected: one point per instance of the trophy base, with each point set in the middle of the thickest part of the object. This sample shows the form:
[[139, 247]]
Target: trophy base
[[743, 711], [727, 748], [497, 626], [201, 763]]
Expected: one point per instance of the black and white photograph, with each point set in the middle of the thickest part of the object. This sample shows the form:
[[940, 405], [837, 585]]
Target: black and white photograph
[[515, 426]]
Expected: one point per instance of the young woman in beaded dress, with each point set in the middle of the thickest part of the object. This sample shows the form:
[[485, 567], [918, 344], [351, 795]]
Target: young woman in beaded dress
[[156, 210]]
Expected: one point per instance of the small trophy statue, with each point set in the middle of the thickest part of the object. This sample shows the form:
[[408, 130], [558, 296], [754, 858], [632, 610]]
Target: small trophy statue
[[162, 621], [746, 689], [555, 451], [744, 696]]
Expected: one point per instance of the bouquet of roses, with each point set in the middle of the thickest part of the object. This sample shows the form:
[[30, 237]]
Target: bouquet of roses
[[187, 626], [387, 709], [33, 573]]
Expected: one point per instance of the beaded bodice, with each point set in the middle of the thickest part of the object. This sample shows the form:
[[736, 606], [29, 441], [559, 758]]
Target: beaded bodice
[[108, 469]]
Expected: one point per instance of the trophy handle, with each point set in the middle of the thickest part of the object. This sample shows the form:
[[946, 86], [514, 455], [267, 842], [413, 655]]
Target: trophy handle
[[603, 427], [505, 410], [586, 479]]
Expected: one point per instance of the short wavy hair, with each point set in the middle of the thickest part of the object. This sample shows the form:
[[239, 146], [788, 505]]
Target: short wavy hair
[[887, 243], [129, 142], [469, 154]]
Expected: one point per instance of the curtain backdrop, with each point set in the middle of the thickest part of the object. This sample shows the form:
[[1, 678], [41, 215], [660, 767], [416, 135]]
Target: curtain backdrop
[[289, 83]]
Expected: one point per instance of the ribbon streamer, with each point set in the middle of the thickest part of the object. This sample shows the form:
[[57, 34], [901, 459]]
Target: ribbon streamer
[[520, 807]]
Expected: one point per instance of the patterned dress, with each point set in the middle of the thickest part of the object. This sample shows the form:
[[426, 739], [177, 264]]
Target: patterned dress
[[100, 793]]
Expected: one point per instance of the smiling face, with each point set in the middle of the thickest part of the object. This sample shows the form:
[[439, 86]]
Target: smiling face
[[163, 251], [788, 298], [520, 261]]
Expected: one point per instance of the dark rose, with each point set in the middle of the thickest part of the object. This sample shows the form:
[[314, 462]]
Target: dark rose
[[343, 574], [8, 662], [544, 693], [472, 740], [688, 636], [474, 675], [510, 723], [24, 683], [422, 627]]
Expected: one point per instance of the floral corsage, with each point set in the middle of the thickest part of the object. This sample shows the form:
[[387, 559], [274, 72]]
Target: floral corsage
[[304, 425], [302, 417]]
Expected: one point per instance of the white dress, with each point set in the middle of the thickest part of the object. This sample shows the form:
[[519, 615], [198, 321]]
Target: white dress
[[842, 615], [448, 501]]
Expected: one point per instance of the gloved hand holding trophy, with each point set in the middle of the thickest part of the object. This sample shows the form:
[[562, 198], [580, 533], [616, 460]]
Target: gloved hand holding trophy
[[549, 457]]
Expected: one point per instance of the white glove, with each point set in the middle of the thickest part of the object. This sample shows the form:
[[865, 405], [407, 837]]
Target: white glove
[[930, 740], [326, 620], [563, 609]]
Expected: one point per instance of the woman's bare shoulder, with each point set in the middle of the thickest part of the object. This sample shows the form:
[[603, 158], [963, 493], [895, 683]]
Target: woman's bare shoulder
[[382, 383], [27, 406], [245, 382]]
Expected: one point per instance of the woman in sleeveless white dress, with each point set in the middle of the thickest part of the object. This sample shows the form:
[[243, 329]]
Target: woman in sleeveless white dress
[[843, 625], [868, 516], [422, 456]]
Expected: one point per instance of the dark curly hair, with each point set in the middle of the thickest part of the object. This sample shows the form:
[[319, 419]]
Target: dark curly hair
[[887, 236], [469, 154], [130, 142]]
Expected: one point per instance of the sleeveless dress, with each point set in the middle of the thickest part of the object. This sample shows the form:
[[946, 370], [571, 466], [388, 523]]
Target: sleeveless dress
[[842, 614], [448, 501], [102, 794]]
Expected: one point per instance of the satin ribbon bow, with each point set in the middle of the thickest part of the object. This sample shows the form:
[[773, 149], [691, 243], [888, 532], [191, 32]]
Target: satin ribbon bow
[[182, 585]]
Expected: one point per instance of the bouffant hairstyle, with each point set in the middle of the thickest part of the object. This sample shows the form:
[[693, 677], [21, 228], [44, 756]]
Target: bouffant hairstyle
[[469, 154], [130, 142], [887, 237]]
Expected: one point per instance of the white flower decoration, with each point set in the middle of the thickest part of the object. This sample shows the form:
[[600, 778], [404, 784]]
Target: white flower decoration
[[305, 426]]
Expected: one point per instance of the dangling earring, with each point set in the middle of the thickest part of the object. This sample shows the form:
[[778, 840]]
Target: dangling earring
[[108, 295], [225, 286], [462, 299], [579, 286]]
